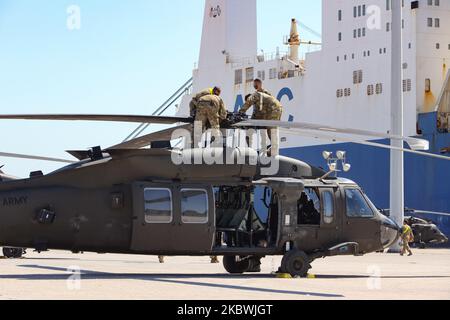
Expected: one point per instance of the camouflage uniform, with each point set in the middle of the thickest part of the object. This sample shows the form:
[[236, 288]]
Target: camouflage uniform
[[210, 111], [266, 107], [407, 238], [194, 102]]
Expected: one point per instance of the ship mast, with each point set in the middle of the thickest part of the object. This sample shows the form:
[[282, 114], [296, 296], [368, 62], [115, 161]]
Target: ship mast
[[397, 175]]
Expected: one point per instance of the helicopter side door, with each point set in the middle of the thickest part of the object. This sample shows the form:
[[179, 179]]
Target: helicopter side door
[[331, 221], [171, 218]]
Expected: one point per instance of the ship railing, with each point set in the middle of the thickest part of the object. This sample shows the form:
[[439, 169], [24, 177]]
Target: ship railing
[[237, 62], [185, 89]]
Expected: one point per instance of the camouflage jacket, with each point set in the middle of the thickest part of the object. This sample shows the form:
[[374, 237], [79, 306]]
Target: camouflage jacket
[[212, 103], [263, 102], [194, 102]]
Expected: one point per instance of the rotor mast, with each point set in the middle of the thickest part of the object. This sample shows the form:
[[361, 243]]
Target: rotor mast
[[397, 175]]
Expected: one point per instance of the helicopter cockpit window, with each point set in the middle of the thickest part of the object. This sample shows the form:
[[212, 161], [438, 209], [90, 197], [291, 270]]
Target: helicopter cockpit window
[[158, 205], [357, 206], [328, 207], [194, 206], [309, 207]]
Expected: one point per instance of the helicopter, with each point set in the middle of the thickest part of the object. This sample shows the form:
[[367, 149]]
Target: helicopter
[[130, 199]]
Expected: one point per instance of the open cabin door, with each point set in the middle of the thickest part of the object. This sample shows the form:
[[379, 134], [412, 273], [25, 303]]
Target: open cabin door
[[173, 218]]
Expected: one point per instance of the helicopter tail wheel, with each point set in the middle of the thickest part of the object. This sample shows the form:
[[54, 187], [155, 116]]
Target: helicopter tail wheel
[[296, 263], [236, 265], [13, 253]]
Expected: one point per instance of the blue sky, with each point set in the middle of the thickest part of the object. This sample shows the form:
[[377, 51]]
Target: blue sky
[[127, 58]]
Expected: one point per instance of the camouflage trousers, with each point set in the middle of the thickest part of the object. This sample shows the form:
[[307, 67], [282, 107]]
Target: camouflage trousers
[[405, 247], [208, 117], [272, 133]]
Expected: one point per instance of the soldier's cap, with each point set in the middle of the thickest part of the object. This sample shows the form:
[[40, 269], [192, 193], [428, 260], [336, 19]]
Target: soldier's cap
[[257, 80]]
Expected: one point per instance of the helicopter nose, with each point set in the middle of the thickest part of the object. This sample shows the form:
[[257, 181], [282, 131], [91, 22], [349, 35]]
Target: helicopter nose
[[390, 232]]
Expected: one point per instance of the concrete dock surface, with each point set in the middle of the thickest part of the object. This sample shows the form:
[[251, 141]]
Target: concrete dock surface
[[61, 276]]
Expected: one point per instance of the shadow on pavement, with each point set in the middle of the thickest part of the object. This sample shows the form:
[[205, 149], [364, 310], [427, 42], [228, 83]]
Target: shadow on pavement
[[179, 279]]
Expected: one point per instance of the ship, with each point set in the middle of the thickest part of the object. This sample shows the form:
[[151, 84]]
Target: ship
[[344, 81]]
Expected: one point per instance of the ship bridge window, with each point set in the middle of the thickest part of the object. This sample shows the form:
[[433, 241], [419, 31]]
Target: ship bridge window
[[427, 85], [370, 90], [347, 92], [379, 88], [250, 74], [357, 76], [273, 73], [437, 23], [262, 75], [238, 76]]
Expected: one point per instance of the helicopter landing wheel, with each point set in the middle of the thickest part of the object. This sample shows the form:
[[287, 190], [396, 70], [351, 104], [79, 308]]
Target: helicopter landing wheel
[[296, 263], [13, 253], [255, 265], [236, 265]]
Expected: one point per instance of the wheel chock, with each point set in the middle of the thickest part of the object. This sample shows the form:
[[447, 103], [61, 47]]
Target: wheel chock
[[283, 276]]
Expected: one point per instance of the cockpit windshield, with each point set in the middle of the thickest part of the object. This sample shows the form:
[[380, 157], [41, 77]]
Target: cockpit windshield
[[357, 205]]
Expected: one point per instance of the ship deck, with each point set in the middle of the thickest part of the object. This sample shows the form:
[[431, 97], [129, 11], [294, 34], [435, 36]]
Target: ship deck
[[426, 275]]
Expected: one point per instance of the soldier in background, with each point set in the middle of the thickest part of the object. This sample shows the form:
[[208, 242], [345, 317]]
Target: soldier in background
[[214, 259], [407, 238], [265, 107]]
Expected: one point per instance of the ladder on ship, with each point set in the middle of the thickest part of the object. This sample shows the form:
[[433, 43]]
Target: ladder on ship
[[163, 108]]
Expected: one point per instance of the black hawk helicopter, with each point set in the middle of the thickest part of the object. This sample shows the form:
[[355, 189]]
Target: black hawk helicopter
[[129, 199]]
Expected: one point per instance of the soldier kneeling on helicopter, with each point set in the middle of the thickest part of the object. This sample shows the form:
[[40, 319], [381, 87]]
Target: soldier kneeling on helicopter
[[265, 107], [209, 110]]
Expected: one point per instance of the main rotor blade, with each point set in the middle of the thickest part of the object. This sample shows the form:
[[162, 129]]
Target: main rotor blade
[[433, 213], [416, 144], [98, 117], [30, 157], [336, 138], [144, 141]]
